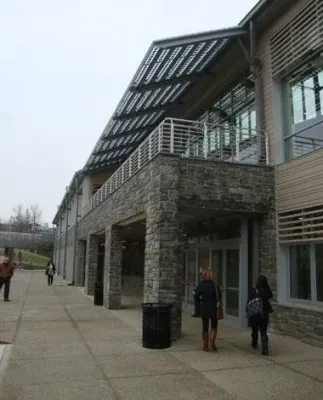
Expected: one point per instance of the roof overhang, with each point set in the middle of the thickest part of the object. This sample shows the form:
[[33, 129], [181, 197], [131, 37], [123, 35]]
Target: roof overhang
[[167, 72]]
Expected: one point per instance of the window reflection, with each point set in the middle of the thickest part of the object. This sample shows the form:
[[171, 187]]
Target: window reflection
[[300, 272], [304, 129], [319, 271]]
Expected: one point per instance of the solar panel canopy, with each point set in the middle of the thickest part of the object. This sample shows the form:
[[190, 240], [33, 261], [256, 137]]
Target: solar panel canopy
[[166, 73]]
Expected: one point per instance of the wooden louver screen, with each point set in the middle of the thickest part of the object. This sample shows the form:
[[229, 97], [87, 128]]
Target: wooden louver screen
[[301, 225], [296, 40]]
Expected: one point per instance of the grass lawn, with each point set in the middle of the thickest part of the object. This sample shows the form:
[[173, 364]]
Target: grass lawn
[[30, 259]]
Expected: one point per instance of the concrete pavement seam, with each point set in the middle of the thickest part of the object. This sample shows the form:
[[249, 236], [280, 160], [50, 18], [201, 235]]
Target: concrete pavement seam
[[117, 397], [22, 307]]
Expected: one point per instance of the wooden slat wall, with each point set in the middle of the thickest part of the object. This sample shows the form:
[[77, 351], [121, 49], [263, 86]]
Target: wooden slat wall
[[299, 183]]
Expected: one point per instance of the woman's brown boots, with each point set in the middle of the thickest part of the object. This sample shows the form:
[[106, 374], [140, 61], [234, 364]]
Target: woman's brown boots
[[205, 341], [209, 339], [212, 340]]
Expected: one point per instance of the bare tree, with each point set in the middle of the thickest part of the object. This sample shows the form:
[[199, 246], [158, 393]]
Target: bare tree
[[36, 215], [25, 220], [17, 221]]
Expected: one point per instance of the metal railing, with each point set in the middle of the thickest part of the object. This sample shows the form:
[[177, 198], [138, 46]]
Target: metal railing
[[188, 139]]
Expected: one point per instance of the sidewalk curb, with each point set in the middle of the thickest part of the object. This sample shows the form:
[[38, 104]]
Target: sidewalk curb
[[4, 359]]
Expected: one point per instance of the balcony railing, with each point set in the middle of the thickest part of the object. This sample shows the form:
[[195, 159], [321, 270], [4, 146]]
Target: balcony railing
[[188, 139]]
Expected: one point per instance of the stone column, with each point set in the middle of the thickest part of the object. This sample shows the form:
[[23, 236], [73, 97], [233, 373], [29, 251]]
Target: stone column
[[91, 263], [113, 267], [268, 249], [80, 262], [163, 253]]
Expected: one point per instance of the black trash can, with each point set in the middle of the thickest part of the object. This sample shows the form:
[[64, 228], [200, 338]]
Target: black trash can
[[156, 325], [98, 294]]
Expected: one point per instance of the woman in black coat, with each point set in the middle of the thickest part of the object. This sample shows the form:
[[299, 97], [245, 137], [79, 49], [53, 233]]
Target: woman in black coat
[[209, 296], [259, 323]]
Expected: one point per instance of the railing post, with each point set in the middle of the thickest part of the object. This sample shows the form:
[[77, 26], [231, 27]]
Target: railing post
[[206, 142], [266, 147], [160, 138], [149, 148], [139, 156], [130, 166], [171, 136], [237, 141]]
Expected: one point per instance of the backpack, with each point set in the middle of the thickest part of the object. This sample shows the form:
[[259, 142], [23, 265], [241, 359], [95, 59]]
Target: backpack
[[254, 306]]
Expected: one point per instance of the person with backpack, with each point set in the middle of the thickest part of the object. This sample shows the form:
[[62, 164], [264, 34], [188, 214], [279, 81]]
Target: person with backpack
[[258, 310]]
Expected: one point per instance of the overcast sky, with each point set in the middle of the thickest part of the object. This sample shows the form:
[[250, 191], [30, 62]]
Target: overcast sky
[[64, 66]]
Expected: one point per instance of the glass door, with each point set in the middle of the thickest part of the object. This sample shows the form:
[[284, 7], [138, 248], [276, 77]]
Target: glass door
[[191, 276], [231, 277]]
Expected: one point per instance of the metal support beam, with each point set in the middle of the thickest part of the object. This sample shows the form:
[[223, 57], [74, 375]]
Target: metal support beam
[[112, 136], [168, 82], [66, 241], [146, 111], [113, 162], [77, 194], [130, 145], [220, 34]]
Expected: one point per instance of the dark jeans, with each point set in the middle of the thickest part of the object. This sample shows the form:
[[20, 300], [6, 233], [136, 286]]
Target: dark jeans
[[6, 283], [206, 324], [50, 279], [259, 324]]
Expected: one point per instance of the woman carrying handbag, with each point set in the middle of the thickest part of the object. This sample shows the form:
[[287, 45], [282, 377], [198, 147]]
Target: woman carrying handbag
[[209, 296]]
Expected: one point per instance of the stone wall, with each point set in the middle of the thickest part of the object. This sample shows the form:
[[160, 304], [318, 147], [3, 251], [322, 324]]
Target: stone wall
[[226, 186], [298, 321], [161, 190]]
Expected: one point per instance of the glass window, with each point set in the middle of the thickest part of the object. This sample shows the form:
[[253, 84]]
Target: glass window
[[309, 99], [304, 122], [319, 271], [297, 104], [306, 271], [300, 272]]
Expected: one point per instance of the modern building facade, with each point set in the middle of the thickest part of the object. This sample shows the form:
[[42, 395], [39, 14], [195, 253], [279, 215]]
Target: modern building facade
[[213, 157]]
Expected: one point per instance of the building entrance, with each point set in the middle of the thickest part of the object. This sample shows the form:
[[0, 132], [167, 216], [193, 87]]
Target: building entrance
[[227, 260]]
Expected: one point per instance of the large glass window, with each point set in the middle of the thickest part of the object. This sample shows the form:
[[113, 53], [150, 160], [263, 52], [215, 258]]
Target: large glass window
[[304, 114], [233, 119], [319, 271], [306, 271], [300, 272]]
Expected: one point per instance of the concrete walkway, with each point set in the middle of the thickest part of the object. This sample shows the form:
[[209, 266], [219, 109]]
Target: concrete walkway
[[66, 348]]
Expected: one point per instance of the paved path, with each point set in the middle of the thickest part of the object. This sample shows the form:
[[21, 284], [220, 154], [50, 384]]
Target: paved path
[[66, 348]]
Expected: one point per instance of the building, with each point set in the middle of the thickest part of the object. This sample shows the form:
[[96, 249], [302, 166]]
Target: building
[[213, 157]]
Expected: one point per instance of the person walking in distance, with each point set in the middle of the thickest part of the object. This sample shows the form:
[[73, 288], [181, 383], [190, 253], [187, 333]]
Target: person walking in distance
[[50, 272], [6, 273]]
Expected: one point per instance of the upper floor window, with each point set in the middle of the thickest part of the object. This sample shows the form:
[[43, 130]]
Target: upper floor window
[[304, 111]]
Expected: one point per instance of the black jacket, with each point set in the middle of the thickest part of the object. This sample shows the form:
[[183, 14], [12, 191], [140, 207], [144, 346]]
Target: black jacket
[[265, 295], [48, 265], [206, 294]]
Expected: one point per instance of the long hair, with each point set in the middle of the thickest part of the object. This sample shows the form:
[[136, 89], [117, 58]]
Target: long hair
[[262, 285]]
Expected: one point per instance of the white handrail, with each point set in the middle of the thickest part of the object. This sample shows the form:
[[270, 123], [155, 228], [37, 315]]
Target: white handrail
[[190, 139]]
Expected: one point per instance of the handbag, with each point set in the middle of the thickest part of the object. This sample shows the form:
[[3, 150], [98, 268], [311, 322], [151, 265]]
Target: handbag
[[219, 309]]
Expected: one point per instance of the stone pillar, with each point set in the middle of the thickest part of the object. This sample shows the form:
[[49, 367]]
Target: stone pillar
[[113, 267], [268, 249], [91, 263], [163, 253], [80, 262]]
